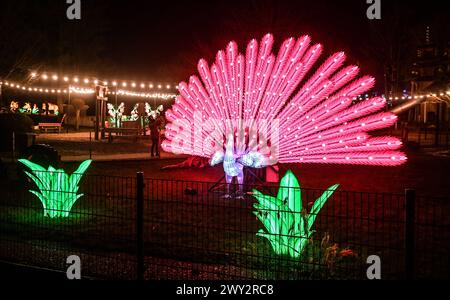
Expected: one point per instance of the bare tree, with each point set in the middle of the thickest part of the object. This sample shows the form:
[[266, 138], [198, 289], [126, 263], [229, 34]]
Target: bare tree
[[78, 105]]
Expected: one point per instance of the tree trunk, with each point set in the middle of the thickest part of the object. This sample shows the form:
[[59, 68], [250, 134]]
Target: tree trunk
[[77, 119], [438, 125]]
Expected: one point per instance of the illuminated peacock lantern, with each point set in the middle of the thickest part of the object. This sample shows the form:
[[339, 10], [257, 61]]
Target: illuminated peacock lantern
[[258, 109]]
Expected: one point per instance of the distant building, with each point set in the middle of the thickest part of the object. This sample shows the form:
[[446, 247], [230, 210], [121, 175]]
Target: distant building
[[430, 74]]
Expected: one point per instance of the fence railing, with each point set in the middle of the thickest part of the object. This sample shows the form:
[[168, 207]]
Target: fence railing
[[425, 136], [138, 228]]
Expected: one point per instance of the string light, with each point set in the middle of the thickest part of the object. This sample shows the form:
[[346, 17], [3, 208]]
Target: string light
[[420, 96], [87, 80], [78, 90], [407, 97], [87, 91], [48, 90], [164, 96]]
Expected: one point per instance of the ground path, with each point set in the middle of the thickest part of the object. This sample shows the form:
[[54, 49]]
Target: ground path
[[427, 171]]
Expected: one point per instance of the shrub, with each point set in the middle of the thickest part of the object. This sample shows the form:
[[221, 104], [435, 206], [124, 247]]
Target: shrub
[[9, 123]]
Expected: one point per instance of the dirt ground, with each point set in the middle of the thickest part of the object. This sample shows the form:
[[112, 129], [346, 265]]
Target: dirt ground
[[428, 174], [202, 236], [427, 170]]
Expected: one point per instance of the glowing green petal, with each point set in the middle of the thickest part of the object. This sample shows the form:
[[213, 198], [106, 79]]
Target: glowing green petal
[[290, 191], [32, 165], [75, 178], [40, 184], [319, 203]]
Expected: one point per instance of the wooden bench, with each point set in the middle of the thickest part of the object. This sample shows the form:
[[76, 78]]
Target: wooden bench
[[133, 132], [52, 126]]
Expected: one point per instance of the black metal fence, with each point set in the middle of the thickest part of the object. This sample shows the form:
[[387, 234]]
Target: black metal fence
[[136, 228], [425, 136]]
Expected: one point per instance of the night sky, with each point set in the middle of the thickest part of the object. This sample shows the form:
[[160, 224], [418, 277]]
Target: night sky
[[163, 40]]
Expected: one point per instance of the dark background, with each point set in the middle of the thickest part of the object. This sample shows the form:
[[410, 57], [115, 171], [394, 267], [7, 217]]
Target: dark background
[[162, 40]]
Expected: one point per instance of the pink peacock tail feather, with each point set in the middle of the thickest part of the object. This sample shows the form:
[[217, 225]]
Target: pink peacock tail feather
[[276, 108]]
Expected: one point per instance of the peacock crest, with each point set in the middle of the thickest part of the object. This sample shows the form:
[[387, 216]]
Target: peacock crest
[[260, 108]]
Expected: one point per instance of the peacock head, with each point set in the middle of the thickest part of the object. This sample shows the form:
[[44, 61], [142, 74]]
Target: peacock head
[[229, 146]]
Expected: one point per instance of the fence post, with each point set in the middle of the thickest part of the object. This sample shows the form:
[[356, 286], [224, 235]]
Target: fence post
[[90, 144], [446, 137], [140, 225], [13, 146], [420, 135], [410, 205]]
